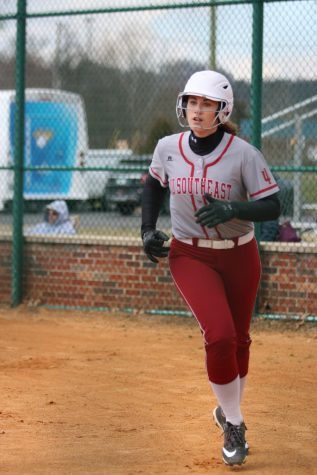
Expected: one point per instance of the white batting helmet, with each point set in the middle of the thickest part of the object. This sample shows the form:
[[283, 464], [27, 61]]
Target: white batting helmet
[[209, 84]]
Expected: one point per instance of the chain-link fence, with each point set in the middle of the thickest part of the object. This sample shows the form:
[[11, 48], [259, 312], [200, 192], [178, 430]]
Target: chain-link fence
[[100, 87]]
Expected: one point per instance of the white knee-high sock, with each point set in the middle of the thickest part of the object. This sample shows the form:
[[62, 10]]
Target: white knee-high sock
[[228, 396], [242, 386]]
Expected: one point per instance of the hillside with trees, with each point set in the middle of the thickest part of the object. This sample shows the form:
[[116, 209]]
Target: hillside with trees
[[129, 103]]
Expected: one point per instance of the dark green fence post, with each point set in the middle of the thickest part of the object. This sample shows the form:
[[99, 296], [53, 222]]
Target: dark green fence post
[[17, 238], [213, 37], [256, 80], [256, 87]]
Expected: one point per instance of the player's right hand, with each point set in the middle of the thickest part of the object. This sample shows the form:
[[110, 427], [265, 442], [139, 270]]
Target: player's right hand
[[153, 244]]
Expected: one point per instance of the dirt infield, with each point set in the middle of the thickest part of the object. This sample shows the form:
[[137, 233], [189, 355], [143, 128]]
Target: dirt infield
[[121, 395]]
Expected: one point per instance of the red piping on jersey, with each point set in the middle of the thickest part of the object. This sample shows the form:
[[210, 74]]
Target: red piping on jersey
[[263, 190], [220, 156], [214, 163], [180, 144], [163, 183]]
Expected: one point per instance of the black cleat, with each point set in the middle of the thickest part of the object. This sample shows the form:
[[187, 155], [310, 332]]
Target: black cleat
[[234, 451], [220, 420]]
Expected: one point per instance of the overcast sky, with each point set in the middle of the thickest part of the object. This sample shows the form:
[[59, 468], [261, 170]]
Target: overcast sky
[[290, 32]]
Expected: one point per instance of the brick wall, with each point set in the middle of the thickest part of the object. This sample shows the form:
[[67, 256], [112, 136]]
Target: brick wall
[[97, 274], [289, 279], [5, 270], [101, 272]]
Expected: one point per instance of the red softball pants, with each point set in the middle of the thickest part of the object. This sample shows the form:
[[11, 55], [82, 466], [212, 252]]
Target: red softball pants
[[219, 287]]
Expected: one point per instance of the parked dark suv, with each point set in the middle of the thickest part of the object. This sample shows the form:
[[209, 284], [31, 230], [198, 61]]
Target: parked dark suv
[[124, 188]]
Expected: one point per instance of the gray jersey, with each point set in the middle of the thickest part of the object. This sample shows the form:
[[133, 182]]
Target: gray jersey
[[234, 171]]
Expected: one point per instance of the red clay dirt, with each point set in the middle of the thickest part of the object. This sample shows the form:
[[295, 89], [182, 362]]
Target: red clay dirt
[[113, 394]]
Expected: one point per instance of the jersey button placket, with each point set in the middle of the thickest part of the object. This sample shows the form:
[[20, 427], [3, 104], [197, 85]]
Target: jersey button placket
[[199, 173]]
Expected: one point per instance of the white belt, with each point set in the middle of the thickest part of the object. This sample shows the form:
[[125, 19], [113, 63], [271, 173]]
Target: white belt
[[219, 244]]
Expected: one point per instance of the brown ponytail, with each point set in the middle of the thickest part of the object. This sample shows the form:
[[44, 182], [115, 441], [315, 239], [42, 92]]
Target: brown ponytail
[[230, 127]]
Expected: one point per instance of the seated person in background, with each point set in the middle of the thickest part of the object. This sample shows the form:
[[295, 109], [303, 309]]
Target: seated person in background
[[269, 230], [275, 231], [56, 220]]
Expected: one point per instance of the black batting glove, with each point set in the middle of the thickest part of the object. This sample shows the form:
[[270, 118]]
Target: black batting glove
[[153, 244], [216, 212]]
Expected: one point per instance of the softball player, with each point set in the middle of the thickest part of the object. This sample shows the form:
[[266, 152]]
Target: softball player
[[219, 185]]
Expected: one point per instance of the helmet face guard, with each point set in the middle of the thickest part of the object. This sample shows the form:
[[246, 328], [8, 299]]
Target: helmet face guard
[[211, 85], [181, 110]]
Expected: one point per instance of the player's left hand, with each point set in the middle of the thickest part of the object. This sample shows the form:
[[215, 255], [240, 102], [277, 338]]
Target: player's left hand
[[215, 212]]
